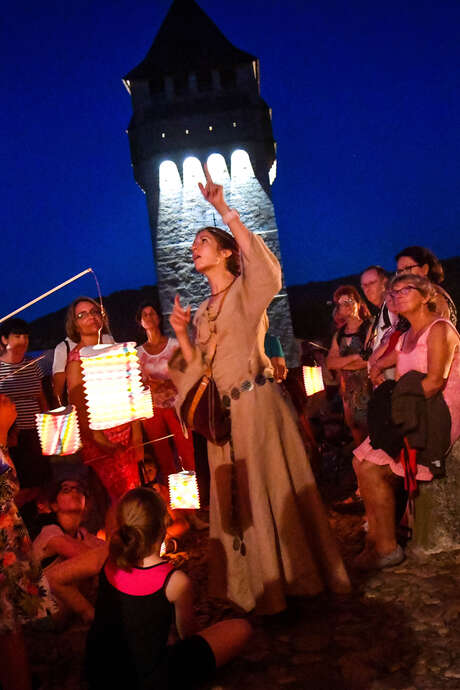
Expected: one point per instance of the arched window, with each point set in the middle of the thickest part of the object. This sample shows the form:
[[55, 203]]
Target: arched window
[[204, 80], [169, 177], [241, 166], [218, 168], [193, 172], [228, 78]]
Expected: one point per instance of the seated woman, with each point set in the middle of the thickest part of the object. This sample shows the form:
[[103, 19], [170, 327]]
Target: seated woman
[[430, 346], [113, 453], [422, 262], [414, 261], [345, 356], [140, 596]]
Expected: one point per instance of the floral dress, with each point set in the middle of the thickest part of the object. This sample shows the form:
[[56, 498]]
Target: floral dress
[[24, 591], [354, 384]]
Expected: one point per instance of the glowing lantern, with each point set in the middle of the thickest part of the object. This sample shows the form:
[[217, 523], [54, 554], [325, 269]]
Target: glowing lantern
[[312, 379], [58, 431], [113, 386], [183, 490]]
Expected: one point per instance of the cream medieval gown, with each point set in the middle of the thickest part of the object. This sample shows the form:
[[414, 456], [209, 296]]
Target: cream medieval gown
[[276, 510]]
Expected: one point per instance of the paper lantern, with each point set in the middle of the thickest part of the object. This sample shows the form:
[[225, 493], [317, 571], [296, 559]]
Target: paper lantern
[[113, 386], [183, 490], [313, 380], [58, 431]]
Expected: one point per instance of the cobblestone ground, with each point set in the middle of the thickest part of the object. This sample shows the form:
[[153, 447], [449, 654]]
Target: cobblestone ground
[[399, 629]]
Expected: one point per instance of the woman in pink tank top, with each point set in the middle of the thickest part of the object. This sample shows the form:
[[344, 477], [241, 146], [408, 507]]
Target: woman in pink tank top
[[431, 346]]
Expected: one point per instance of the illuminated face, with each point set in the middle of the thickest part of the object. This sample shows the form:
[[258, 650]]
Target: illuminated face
[[347, 306], [373, 286], [17, 343], [71, 498], [406, 264], [149, 318], [206, 253], [407, 297], [88, 318]]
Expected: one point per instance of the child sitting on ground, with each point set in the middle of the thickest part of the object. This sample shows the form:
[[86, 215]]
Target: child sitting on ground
[[61, 535], [140, 595]]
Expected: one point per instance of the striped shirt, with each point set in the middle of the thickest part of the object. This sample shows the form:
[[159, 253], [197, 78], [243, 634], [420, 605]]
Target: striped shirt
[[23, 389]]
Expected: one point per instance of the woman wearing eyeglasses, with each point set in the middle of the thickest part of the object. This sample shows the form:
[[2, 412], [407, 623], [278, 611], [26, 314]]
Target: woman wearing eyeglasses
[[430, 346], [422, 262], [345, 357], [109, 452]]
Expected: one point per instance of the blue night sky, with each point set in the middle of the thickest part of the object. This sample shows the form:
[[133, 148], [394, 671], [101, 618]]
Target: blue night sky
[[365, 105]]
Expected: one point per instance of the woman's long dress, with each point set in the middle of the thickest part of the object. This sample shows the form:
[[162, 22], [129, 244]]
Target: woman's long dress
[[276, 508]]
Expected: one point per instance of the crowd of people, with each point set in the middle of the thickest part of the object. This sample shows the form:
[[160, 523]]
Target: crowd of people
[[103, 512]]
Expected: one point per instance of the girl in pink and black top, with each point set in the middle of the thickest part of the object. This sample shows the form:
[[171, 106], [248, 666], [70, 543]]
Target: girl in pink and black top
[[154, 356], [140, 596]]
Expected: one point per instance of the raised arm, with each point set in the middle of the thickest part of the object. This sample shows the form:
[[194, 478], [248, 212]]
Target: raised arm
[[214, 194], [179, 320]]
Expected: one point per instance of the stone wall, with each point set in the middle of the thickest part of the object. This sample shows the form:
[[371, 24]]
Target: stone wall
[[182, 211]]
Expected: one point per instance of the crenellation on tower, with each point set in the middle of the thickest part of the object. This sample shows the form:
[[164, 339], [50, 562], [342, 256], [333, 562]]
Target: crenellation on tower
[[196, 95]]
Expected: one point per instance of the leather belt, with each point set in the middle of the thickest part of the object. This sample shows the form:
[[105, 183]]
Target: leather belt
[[247, 385]]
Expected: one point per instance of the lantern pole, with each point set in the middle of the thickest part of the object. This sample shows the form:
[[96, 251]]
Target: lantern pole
[[49, 292]]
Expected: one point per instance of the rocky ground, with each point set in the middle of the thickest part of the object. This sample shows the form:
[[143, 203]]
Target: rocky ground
[[399, 629]]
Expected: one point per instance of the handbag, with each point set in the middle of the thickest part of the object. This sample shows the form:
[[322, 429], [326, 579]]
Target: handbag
[[204, 413], [202, 408]]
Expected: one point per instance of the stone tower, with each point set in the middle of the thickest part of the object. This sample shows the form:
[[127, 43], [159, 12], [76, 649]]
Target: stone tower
[[196, 99]]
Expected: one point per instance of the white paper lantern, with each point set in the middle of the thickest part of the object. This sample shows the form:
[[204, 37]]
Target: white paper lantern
[[58, 431], [183, 490], [313, 380], [114, 390]]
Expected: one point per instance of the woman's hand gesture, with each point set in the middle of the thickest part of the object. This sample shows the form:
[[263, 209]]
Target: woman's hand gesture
[[214, 193], [180, 317]]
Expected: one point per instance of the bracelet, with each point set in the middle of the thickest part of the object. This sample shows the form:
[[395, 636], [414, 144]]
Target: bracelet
[[231, 214]]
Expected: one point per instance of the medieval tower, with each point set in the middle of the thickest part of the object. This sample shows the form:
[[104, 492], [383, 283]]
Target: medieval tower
[[196, 99]]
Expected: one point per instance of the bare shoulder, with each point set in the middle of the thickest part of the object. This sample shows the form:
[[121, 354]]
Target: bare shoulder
[[178, 585], [443, 330]]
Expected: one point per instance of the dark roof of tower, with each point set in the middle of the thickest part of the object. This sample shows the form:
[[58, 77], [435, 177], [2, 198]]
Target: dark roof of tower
[[187, 39]]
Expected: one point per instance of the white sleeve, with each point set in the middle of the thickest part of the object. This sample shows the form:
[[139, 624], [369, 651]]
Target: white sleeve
[[41, 542], [60, 358]]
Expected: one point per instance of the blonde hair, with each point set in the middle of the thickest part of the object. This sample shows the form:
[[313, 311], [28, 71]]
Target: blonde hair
[[141, 519]]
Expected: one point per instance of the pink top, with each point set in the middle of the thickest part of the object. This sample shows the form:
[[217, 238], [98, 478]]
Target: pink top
[[154, 370], [139, 581], [417, 360]]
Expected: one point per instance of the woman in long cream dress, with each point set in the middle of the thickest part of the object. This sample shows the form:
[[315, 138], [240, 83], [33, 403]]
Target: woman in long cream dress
[[269, 533]]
